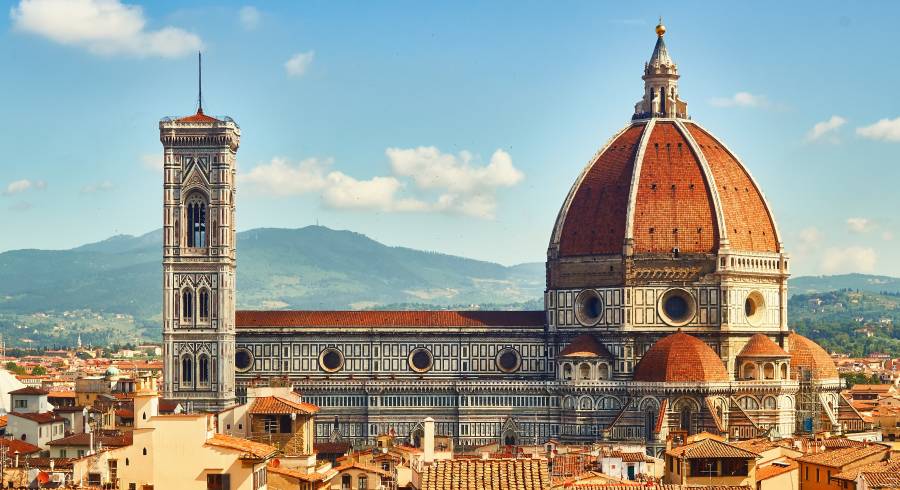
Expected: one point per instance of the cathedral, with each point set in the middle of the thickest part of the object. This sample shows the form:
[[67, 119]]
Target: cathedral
[[665, 311]]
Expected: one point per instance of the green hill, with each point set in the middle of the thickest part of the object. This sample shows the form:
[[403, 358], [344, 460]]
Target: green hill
[[851, 321], [308, 268]]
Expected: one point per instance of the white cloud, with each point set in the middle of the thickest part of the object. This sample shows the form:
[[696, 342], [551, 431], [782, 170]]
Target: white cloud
[[249, 17], [103, 27], [887, 236], [431, 169], [377, 193], [280, 178], [885, 129], [97, 187], [824, 128], [20, 186], [740, 99], [860, 225], [152, 162], [848, 259], [299, 63], [455, 183]]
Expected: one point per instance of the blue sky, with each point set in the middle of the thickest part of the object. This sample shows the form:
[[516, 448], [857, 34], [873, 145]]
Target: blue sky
[[342, 103]]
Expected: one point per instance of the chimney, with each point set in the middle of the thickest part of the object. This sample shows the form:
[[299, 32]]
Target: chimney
[[428, 443]]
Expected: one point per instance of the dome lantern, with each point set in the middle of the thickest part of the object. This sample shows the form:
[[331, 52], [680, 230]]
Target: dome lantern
[[661, 98]]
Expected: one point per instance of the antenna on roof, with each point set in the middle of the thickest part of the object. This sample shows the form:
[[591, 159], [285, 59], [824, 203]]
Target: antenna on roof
[[199, 83]]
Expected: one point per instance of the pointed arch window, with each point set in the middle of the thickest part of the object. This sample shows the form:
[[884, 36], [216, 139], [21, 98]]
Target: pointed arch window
[[203, 369], [203, 304], [196, 221], [187, 304], [187, 370]]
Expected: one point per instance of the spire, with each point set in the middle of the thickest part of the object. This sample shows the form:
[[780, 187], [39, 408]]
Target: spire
[[661, 98], [660, 54], [199, 83]]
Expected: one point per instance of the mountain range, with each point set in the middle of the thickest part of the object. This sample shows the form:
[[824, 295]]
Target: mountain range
[[307, 268]]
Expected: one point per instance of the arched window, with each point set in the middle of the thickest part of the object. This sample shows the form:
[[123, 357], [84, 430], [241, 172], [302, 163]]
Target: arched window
[[584, 371], [187, 304], [187, 369], [686, 415], [649, 424], [204, 304], [196, 221], [784, 371], [748, 403], [567, 371], [603, 370], [749, 371], [769, 371], [203, 369]]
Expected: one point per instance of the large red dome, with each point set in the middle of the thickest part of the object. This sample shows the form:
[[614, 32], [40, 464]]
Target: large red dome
[[660, 185]]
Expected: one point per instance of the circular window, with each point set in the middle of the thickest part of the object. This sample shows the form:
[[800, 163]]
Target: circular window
[[677, 307], [588, 307], [509, 360], [243, 360], [755, 308], [420, 360], [331, 360]]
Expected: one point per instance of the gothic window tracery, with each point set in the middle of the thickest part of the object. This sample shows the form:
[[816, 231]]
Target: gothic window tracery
[[187, 370], [196, 221], [187, 304], [203, 369], [203, 304]]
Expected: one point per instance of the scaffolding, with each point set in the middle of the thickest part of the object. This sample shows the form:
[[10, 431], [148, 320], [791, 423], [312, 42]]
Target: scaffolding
[[809, 408]]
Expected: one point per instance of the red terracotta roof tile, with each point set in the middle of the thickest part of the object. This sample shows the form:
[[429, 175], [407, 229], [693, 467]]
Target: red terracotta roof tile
[[749, 222], [269, 405], [251, 448], [376, 319], [807, 355], [710, 448], [14, 446], [41, 418], [29, 390], [774, 469], [838, 458], [487, 474], [761, 345], [198, 117], [585, 345], [293, 473], [673, 207], [680, 357]]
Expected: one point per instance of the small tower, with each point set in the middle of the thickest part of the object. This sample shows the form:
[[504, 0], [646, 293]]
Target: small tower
[[146, 401], [199, 258], [661, 98]]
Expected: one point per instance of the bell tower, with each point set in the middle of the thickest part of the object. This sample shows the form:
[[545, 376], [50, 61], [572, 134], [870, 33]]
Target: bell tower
[[199, 153]]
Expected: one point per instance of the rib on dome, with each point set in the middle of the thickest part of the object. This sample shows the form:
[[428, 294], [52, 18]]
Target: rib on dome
[[662, 185], [807, 355], [680, 357], [762, 346]]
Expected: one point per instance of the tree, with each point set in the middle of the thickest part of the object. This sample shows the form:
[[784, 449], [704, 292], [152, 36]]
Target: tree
[[39, 371]]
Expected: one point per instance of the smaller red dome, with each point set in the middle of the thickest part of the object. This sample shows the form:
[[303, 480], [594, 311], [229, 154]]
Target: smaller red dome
[[587, 346], [680, 358], [762, 346], [809, 356]]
